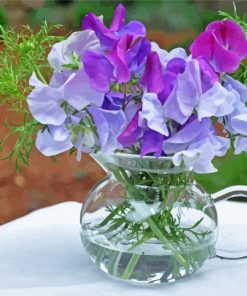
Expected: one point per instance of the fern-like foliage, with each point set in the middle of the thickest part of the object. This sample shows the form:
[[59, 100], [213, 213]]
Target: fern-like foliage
[[23, 53]]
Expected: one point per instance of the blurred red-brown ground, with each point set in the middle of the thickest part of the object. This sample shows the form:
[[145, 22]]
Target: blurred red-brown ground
[[45, 182]]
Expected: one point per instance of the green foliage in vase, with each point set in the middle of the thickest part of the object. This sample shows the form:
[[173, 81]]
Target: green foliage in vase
[[23, 53], [149, 189]]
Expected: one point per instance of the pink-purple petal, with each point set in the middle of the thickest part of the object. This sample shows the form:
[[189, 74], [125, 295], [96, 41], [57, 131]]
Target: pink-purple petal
[[118, 20]]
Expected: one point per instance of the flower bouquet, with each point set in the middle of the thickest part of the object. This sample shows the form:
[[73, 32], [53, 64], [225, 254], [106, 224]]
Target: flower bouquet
[[148, 117]]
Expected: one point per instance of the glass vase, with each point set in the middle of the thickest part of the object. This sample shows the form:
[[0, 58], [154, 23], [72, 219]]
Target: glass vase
[[148, 221]]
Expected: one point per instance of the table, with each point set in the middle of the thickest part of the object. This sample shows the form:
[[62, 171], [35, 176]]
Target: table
[[41, 254]]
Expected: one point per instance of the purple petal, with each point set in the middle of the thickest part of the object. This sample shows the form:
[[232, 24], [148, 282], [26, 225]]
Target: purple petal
[[203, 46], [153, 113], [185, 95], [99, 70], [118, 20], [59, 133], [76, 43], [217, 101], [227, 32], [192, 132], [199, 160], [106, 37], [132, 132], [239, 123], [240, 145], [118, 57], [109, 125], [240, 88], [152, 142], [224, 60], [134, 28], [79, 93], [208, 75], [137, 55], [153, 77], [44, 103], [48, 146]]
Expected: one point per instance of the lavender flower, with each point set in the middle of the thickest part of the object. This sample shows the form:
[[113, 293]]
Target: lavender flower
[[109, 125], [62, 52], [53, 140]]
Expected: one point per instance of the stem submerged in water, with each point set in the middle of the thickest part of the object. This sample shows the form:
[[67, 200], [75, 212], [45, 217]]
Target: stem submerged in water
[[167, 243], [131, 266]]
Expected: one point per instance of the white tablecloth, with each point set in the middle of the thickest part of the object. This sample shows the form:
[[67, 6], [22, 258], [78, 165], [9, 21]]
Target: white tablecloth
[[41, 254]]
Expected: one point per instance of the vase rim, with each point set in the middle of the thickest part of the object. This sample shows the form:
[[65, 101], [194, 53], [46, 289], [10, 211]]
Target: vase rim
[[133, 155], [135, 162]]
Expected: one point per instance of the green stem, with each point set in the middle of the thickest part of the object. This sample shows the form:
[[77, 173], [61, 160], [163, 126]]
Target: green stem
[[131, 266], [163, 239], [115, 266]]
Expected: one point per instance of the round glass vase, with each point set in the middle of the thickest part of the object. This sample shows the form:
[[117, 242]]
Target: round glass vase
[[148, 221]]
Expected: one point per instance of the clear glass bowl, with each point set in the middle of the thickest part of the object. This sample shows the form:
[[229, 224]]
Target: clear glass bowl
[[148, 221]]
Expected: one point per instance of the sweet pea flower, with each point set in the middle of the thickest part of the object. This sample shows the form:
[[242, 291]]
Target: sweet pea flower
[[188, 95], [61, 52], [124, 49], [153, 114], [166, 56], [109, 37], [198, 160], [125, 59], [240, 145], [152, 78], [196, 144], [109, 125], [152, 142], [223, 45], [46, 101], [132, 133], [237, 86], [236, 122], [53, 140]]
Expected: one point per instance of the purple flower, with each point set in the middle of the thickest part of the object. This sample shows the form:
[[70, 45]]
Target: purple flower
[[99, 70], [75, 44], [187, 96], [193, 132], [152, 78], [109, 125], [152, 142], [165, 56], [53, 140], [174, 67], [235, 85], [109, 37], [126, 58], [223, 45], [132, 133], [199, 159], [123, 50], [208, 75], [196, 145], [153, 114], [46, 101], [240, 145]]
